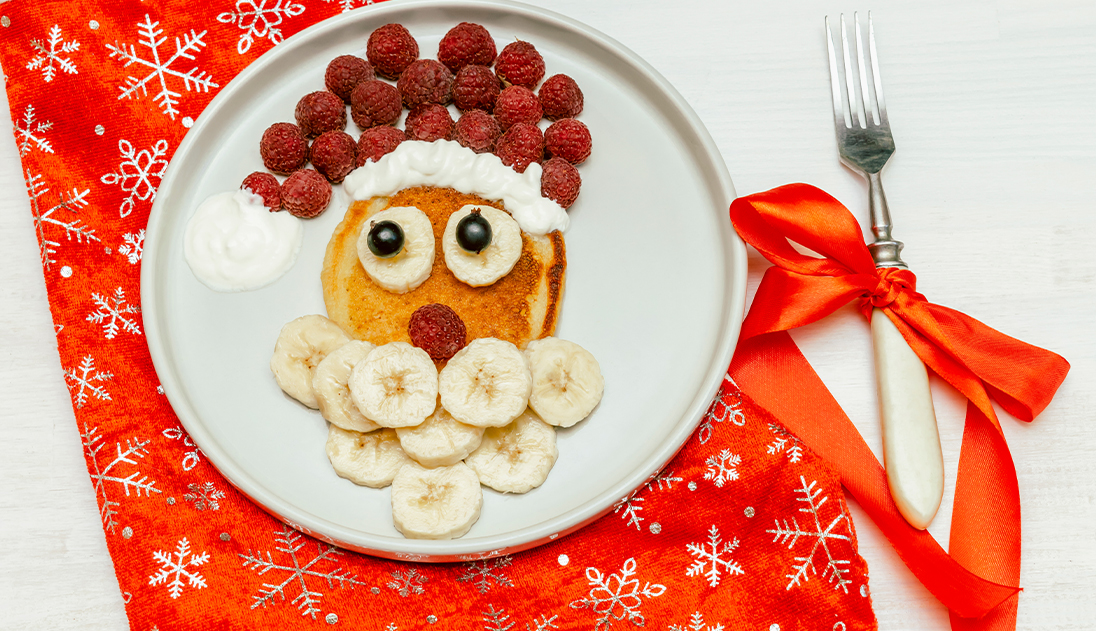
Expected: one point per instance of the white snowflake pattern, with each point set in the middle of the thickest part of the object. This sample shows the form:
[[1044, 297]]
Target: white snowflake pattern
[[83, 382], [718, 412], [696, 623], [49, 60], [136, 172], [407, 582], [349, 4], [481, 573], [46, 219], [161, 71], [617, 596], [820, 536], [629, 509], [663, 480], [204, 496], [102, 475], [496, 620], [29, 132], [114, 314], [190, 458], [298, 570], [258, 21], [133, 246], [721, 467], [176, 566], [784, 442], [710, 561], [543, 624]]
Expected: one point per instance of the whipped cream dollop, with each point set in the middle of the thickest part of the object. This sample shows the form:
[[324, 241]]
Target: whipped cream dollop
[[445, 163], [234, 243]]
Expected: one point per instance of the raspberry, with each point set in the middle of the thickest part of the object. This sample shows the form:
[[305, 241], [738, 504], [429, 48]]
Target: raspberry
[[520, 64], [477, 130], [377, 141], [464, 44], [569, 139], [390, 49], [520, 146], [425, 81], [517, 105], [345, 72], [429, 122], [284, 148], [266, 186], [438, 330], [333, 155], [475, 88], [375, 103], [320, 111], [306, 193], [560, 182], [560, 97]]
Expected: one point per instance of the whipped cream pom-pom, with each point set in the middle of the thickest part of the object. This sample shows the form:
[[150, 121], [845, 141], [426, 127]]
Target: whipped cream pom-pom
[[446, 163]]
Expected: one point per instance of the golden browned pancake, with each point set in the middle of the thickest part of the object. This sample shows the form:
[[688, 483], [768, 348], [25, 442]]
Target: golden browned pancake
[[519, 307]]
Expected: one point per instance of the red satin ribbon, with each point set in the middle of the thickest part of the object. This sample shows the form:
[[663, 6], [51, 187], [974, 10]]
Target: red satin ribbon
[[979, 581]]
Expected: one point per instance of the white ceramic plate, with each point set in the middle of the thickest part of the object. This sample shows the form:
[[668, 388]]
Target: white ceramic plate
[[655, 289]]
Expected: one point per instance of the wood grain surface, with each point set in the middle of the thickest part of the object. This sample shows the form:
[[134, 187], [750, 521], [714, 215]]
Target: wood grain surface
[[992, 188]]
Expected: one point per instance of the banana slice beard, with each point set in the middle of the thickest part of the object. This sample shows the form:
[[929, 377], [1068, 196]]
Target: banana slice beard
[[301, 346], [396, 385], [515, 458], [440, 503], [486, 383], [567, 381], [329, 383], [496, 260], [411, 266], [440, 440], [367, 459]]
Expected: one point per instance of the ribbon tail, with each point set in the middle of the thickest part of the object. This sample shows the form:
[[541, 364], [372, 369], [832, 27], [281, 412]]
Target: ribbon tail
[[772, 371]]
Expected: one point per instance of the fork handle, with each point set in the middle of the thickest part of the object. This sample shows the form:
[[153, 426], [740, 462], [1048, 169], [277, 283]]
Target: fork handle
[[911, 441], [885, 251]]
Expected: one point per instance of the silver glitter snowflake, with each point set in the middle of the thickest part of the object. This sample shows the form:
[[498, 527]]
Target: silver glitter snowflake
[[58, 217], [713, 558], [617, 596], [133, 246], [298, 570], [482, 573], [696, 623], [159, 66], [115, 314], [349, 4], [408, 582], [50, 55], [259, 19], [190, 458], [105, 476], [30, 132], [720, 411], [136, 172], [722, 467], [821, 537], [204, 496], [84, 382]]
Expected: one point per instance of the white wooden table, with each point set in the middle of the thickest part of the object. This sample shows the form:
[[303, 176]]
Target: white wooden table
[[992, 188]]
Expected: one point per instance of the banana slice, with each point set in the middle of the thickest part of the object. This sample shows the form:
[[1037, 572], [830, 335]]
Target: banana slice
[[396, 385], [411, 266], [515, 458], [329, 383], [567, 381], [301, 346], [440, 503], [439, 441], [486, 383], [494, 261], [368, 459]]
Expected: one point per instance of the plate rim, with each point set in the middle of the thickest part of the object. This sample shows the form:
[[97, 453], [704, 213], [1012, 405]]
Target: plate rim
[[734, 262]]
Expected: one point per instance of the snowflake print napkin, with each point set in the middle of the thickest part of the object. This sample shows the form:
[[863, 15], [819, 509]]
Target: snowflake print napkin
[[744, 529]]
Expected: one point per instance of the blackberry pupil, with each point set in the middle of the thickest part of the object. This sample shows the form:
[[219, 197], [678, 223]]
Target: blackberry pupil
[[474, 232], [385, 239]]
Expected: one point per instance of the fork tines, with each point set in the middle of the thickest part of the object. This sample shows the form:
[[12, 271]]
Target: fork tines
[[856, 104]]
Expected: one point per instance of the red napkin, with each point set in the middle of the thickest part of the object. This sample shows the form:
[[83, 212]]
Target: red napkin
[[745, 528]]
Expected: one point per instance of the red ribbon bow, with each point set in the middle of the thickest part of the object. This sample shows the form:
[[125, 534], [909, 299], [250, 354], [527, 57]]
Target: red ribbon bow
[[978, 582]]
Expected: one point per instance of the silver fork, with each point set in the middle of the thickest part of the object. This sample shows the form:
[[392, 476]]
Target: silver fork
[[911, 441]]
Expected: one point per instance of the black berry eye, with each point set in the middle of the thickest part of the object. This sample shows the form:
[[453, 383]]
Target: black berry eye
[[474, 232], [385, 239]]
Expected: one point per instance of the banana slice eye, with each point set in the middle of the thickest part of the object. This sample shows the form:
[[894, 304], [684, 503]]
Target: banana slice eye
[[403, 269], [495, 258]]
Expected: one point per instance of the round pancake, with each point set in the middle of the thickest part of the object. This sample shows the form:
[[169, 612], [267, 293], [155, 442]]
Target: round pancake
[[519, 307]]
